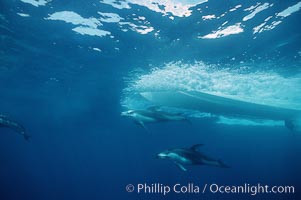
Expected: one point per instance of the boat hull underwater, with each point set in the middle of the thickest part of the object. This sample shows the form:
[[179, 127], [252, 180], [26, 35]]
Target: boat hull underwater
[[223, 106]]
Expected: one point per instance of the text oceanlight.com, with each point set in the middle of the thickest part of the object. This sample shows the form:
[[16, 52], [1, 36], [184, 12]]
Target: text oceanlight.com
[[191, 188]]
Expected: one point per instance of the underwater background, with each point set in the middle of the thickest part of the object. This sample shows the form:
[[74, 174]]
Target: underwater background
[[69, 68]]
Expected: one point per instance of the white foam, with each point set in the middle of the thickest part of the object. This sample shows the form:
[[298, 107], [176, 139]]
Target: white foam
[[87, 26], [36, 3], [97, 49], [266, 88], [266, 27], [269, 24], [208, 17], [268, 18], [23, 14], [259, 28], [290, 10], [235, 8], [110, 17], [252, 7], [117, 4], [142, 29], [178, 8], [74, 18], [115, 18], [230, 30], [256, 10], [141, 18], [90, 31], [226, 22]]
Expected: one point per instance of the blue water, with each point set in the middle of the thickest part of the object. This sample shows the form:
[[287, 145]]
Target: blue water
[[68, 69]]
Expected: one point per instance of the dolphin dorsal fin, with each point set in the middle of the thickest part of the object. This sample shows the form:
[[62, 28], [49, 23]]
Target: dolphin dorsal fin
[[196, 147]]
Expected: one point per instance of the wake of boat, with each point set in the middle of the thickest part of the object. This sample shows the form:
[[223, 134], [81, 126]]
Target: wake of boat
[[227, 90]]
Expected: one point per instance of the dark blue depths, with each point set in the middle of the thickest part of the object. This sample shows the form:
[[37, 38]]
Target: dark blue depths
[[68, 98]]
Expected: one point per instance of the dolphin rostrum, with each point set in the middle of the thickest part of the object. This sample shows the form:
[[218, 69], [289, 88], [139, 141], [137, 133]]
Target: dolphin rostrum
[[6, 122], [190, 156]]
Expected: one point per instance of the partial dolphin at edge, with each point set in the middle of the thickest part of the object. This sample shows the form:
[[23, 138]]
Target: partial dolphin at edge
[[8, 123]]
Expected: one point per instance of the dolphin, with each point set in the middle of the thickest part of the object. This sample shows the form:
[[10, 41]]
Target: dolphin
[[152, 114], [224, 106], [190, 156], [6, 122]]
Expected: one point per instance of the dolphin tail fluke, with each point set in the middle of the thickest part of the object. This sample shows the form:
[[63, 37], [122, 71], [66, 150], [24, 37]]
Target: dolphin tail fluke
[[19, 128], [222, 164]]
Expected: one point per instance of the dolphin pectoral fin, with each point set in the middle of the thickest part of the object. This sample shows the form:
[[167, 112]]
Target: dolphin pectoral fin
[[222, 164], [181, 167], [141, 123]]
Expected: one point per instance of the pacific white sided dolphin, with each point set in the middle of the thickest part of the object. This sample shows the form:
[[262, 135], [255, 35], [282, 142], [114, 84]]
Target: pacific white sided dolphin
[[8, 123], [223, 106], [190, 156], [152, 114]]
